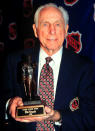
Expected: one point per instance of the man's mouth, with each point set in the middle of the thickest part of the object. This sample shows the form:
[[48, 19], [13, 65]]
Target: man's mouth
[[52, 39]]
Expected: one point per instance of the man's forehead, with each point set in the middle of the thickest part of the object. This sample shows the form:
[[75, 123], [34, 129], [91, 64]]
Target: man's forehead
[[53, 10], [50, 13]]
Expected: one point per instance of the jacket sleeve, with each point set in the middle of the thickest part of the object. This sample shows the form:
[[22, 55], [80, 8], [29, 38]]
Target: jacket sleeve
[[83, 118]]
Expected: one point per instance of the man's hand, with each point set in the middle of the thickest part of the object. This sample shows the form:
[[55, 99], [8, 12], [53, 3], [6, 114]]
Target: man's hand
[[13, 103], [50, 114]]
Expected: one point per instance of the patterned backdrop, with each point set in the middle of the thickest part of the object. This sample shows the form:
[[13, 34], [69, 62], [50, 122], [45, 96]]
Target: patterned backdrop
[[16, 19]]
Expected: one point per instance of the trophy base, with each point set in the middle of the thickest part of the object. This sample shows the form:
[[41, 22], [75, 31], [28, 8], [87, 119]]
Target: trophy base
[[30, 109]]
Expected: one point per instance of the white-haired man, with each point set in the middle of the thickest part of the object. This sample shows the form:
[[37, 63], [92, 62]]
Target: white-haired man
[[73, 87]]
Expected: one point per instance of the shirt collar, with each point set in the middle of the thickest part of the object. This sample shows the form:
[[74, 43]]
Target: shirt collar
[[56, 57]]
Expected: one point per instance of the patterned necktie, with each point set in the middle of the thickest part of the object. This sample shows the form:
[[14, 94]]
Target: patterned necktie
[[46, 91]]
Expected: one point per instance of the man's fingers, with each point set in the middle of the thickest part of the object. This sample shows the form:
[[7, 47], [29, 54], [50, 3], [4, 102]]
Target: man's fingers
[[13, 103]]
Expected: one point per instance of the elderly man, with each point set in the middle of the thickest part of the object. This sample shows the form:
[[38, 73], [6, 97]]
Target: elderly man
[[70, 97]]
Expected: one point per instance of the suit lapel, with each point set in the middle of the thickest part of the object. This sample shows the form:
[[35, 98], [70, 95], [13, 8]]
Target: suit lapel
[[64, 75]]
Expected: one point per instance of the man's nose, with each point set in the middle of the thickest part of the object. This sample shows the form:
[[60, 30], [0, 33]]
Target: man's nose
[[52, 29]]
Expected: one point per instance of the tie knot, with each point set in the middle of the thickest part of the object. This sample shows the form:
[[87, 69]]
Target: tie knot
[[48, 59]]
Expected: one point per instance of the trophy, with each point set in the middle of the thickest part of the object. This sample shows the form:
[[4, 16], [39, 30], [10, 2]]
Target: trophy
[[32, 104]]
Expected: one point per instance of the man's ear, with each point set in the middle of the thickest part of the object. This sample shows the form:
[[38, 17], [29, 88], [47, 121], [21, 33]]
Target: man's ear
[[66, 30], [35, 30]]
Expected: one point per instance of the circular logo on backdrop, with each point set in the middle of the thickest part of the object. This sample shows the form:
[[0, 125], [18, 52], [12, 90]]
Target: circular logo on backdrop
[[28, 8], [12, 31], [70, 2], [29, 43]]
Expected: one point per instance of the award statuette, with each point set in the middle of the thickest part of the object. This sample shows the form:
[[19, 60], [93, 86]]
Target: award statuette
[[32, 103]]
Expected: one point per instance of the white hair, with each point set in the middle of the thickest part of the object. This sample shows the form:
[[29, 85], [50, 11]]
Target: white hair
[[60, 8]]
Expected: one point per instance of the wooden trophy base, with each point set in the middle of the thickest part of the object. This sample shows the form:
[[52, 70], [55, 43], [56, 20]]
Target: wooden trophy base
[[30, 109]]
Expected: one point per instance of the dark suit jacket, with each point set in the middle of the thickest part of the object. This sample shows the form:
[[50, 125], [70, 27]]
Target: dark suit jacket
[[75, 93]]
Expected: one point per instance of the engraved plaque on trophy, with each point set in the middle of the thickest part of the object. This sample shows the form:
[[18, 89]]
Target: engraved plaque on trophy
[[32, 103]]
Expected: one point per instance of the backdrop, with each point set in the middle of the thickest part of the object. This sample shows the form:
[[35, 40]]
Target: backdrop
[[16, 19]]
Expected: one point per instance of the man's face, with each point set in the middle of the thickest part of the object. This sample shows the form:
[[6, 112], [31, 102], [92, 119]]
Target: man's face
[[51, 30]]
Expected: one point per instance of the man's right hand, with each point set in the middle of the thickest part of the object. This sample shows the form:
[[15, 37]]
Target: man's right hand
[[13, 103]]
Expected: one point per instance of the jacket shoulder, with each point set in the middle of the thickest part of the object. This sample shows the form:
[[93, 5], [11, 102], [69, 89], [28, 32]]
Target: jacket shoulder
[[76, 58]]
